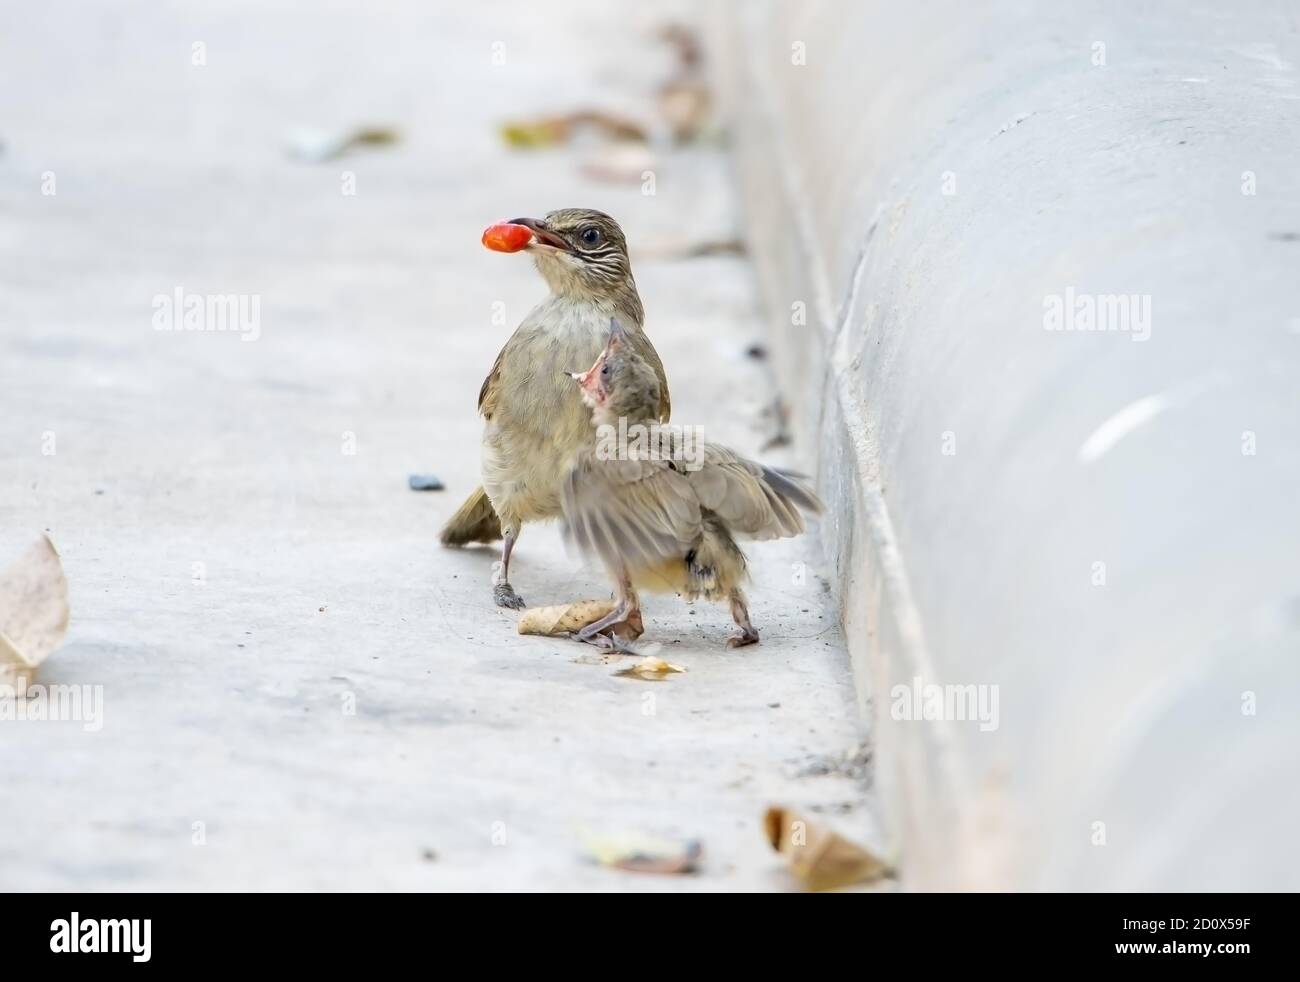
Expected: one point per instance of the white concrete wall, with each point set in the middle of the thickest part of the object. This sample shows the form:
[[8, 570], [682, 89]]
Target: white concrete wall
[[1119, 703]]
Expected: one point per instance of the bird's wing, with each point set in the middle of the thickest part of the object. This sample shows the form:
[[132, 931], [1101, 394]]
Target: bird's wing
[[630, 512], [489, 392], [489, 395], [754, 500]]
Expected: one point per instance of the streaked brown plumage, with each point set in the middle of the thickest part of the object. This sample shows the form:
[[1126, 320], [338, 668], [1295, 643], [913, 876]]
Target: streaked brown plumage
[[535, 420], [659, 515]]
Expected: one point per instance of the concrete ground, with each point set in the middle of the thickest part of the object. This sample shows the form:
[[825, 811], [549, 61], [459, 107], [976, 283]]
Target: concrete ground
[[246, 561]]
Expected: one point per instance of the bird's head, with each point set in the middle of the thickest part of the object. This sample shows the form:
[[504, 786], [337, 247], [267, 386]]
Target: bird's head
[[581, 253], [620, 383]]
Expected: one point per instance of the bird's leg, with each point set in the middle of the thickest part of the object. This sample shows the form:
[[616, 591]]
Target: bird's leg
[[502, 592], [626, 613], [746, 633]]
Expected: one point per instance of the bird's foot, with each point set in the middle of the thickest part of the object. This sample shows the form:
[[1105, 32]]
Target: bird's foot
[[505, 596], [625, 647], [614, 643], [631, 627], [591, 634], [623, 624], [743, 637], [602, 641]]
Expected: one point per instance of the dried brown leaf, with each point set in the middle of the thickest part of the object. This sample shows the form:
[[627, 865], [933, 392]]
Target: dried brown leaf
[[638, 853], [820, 857], [33, 609], [651, 669], [563, 618]]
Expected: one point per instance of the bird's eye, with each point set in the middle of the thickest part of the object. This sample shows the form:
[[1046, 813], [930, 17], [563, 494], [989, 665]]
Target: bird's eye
[[604, 370], [590, 235]]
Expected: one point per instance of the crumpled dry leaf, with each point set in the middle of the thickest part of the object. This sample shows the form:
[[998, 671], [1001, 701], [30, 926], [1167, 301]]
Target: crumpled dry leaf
[[315, 146], [684, 105], [563, 618], [528, 134], [821, 858], [684, 98], [651, 669], [33, 611], [553, 130], [638, 853]]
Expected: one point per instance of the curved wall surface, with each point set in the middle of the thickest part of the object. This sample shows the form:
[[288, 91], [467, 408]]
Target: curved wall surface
[[1034, 282]]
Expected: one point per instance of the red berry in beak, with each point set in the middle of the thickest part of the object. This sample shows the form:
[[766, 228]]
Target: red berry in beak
[[504, 237]]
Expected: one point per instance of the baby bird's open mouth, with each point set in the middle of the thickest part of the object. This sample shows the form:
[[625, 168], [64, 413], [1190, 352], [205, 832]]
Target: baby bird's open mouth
[[589, 382]]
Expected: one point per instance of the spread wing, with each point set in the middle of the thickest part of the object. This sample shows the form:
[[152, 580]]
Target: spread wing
[[754, 500], [630, 512]]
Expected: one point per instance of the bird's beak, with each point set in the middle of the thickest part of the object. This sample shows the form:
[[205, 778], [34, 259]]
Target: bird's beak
[[589, 381], [616, 336], [542, 234]]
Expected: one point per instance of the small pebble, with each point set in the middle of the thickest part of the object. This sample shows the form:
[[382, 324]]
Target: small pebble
[[425, 482]]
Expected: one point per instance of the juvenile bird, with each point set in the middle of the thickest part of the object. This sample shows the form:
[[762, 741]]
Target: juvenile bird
[[535, 420], [661, 510]]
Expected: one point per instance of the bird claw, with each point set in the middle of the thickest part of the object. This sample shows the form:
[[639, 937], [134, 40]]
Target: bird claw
[[623, 647], [505, 596], [606, 642], [742, 638]]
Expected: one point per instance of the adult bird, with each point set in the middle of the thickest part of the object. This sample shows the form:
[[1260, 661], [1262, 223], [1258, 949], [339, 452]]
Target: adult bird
[[534, 418]]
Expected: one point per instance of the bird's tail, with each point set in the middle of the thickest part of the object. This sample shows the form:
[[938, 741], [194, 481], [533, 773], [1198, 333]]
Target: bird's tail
[[474, 521]]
